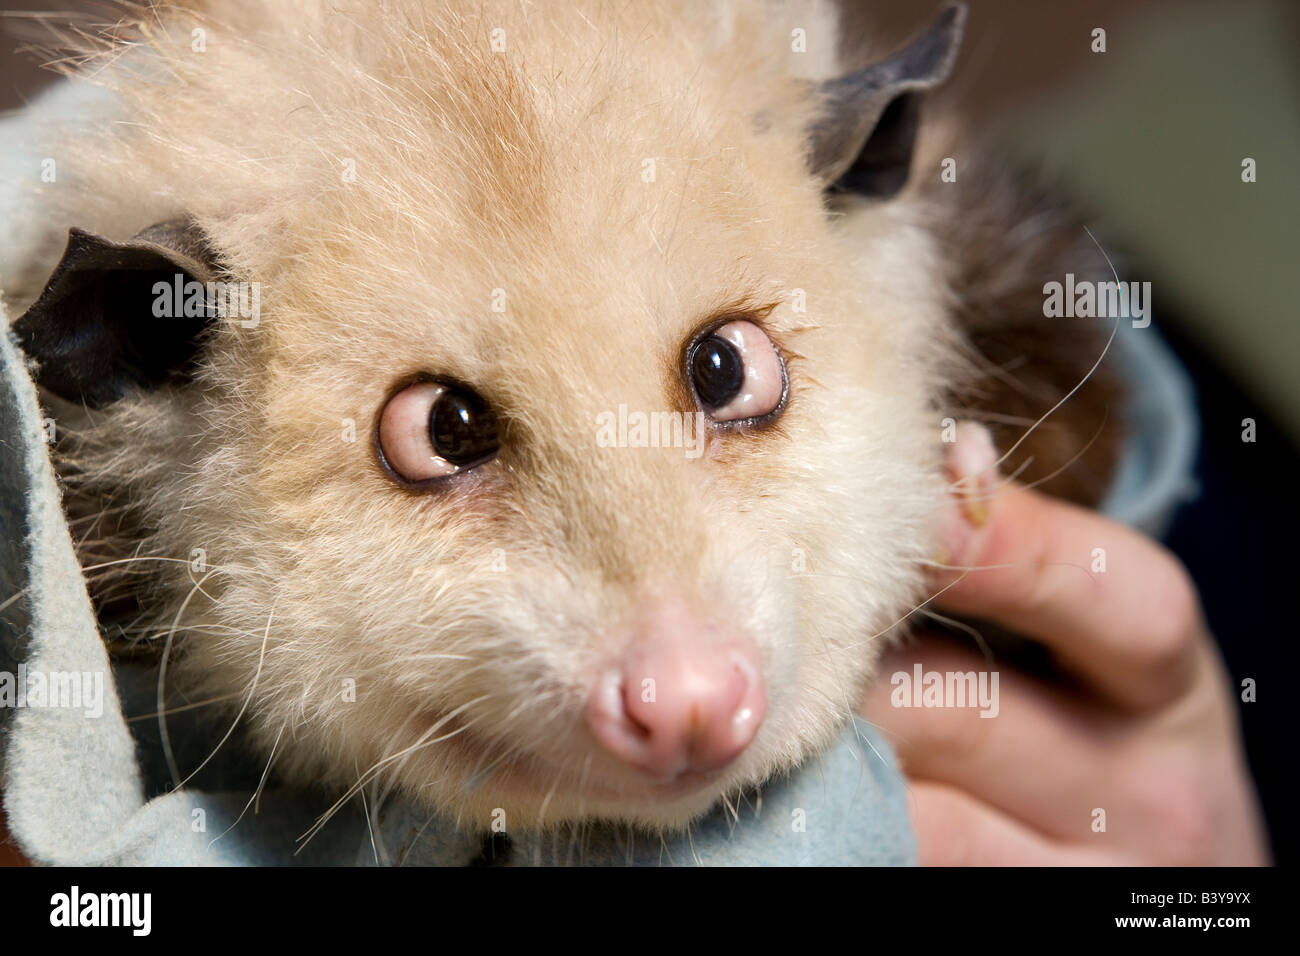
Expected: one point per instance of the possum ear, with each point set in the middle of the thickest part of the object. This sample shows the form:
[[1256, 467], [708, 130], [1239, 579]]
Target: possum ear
[[864, 142], [98, 328]]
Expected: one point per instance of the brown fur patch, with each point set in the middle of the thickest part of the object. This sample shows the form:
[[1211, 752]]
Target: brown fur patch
[[1004, 237]]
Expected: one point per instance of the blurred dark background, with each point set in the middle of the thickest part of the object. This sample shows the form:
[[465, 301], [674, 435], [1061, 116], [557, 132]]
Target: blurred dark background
[[1148, 139]]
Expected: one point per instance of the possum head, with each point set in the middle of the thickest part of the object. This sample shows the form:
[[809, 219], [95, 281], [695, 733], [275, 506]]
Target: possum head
[[576, 457]]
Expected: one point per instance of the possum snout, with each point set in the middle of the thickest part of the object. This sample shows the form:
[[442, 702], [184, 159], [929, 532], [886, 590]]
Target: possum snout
[[686, 698]]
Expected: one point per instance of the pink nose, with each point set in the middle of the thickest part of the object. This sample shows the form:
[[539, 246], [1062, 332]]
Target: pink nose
[[679, 705]]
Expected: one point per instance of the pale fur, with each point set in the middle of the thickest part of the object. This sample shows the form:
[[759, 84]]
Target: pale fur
[[519, 171]]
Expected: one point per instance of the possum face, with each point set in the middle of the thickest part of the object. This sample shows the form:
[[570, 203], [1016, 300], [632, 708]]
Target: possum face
[[576, 458]]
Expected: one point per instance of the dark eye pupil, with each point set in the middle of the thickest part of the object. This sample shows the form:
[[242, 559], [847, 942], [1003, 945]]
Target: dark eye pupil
[[462, 427], [717, 370]]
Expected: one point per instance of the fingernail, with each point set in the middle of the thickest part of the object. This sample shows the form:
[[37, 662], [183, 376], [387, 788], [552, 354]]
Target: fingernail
[[972, 462], [955, 533]]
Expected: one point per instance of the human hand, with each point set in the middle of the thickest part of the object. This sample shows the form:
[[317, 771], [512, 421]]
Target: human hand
[[1142, 725]]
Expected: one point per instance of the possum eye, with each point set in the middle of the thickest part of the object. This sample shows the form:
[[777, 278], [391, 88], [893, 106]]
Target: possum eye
[[737, 372], [430, 430]]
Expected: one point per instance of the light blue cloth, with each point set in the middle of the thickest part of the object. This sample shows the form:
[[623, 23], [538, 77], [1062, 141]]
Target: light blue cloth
[[1157, 467]]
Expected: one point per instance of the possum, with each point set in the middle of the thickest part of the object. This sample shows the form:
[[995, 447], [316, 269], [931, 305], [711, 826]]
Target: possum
[[535, 407]]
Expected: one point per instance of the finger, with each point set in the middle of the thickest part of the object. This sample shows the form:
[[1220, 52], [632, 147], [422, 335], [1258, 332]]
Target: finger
[[1114, 607], [955, 829], [1010, 741]]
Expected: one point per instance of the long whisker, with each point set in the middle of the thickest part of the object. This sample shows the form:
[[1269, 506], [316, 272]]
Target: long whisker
[[261, 657], [166, 740], [415, 840], [1017, 564], [963, 626], [1068, 395], [1045, 479], [380, 764], [365, 809], [184, 707], [918, 607], [546, 801], [11, 600], [260, 784]]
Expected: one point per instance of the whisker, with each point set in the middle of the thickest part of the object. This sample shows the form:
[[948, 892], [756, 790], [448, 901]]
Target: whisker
[[369, 826], [918, 607], [422, 742], [546, 801], [415, 840], [963, 626], [184, 707], [14, 598], [166, 741], [257, 793], [1068, 395], [261, 657]]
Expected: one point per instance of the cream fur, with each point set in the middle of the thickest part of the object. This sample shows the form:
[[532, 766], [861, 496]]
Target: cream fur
[[521, 171]]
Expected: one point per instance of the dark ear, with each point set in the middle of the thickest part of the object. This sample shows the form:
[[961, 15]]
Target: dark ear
[[864, 142], [101, 327]]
